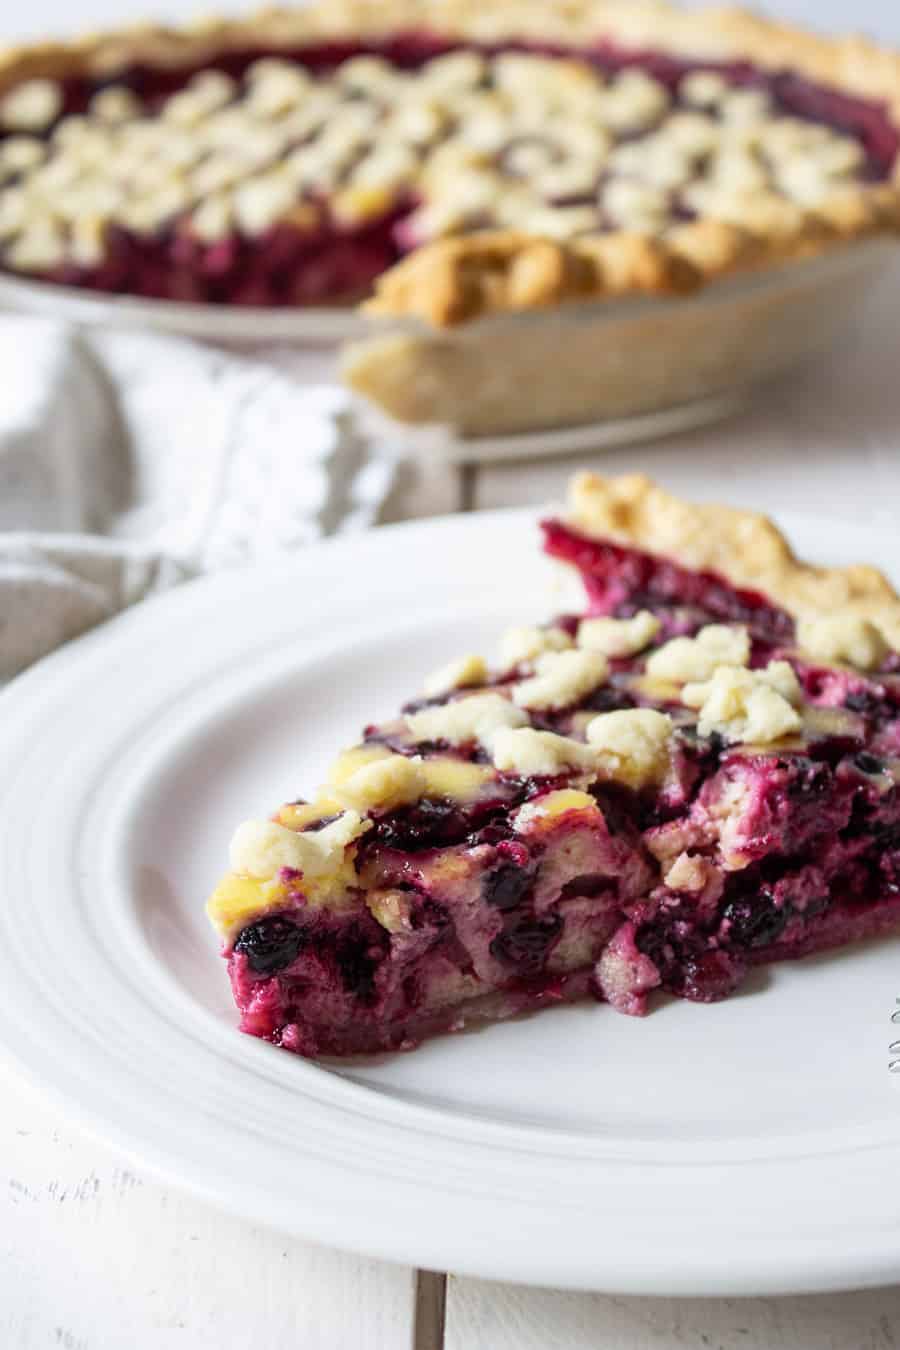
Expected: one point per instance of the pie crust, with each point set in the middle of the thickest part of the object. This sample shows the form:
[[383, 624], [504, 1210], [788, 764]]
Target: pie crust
[[452, 281], [747, 549], [258, 243], [457, 279]]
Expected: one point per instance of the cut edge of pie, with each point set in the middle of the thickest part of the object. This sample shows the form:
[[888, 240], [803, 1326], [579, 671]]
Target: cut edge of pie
[[697, 775], [458, 278]]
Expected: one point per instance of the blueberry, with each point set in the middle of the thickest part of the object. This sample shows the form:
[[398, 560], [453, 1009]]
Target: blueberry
[[753, 921], [358, 956], [505, 886], [428, 824], [618, 806], [867, 703], [270, 944], [526, 944], [867, 763], [811, 779], [608, 700]]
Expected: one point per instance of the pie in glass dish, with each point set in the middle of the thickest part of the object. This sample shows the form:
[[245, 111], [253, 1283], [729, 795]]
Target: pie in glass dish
[[695, 775], [452, 163], [517, 154]]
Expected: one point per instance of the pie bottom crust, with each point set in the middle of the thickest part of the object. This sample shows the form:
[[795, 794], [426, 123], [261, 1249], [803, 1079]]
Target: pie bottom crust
[[581, 363]]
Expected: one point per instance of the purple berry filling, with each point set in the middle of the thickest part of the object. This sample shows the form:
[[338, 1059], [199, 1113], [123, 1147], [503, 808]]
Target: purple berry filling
[[333, 264], [785, 851], [622, 581]]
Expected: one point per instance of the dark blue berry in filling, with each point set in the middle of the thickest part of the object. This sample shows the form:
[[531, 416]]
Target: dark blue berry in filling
[[495, 833], [618, 805], [437, 823], [526, 944], [270, 944], [505, 886], [753, 921], [869, 704], [810, 780], [867, 763], [608, 700], [358, 953]]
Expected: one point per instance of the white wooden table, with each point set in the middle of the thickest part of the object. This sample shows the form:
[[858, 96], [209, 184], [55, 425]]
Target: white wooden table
[[96, 1255]]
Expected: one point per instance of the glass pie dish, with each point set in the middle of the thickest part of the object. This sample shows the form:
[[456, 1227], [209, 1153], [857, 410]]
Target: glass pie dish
[[613, 369], [553, 217]]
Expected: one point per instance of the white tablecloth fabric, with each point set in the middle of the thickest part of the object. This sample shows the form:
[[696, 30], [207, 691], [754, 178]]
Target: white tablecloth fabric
[[131, 462]]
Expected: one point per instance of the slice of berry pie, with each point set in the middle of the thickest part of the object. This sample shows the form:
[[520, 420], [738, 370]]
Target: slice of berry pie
[[697, 774], [536, 153]]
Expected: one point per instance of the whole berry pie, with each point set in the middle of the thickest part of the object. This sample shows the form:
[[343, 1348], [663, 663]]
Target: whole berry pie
[[461, 156], [698, 774]]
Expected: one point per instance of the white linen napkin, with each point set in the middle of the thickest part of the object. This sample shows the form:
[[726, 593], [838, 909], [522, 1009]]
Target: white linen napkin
[[129, 462]]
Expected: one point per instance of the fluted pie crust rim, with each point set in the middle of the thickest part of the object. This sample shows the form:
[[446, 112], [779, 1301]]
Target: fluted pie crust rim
[[745, 547], [458, 279]]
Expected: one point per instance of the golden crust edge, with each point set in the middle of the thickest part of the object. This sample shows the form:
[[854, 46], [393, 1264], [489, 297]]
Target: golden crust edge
[[459, 279], [463, 278], [745, 547], [852, 62]]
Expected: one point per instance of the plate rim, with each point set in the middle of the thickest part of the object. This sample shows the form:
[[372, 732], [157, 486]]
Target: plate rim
[[874, 1269]]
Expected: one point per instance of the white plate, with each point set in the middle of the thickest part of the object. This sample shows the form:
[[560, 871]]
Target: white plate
[[752, 1146]]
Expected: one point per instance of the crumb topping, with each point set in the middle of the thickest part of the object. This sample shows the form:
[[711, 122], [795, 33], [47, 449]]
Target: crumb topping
[[473, 718], [632, 745], [521, 645], [751, 706], [468, 670], [619, 637], [455, 779], [261, 851], [685, 659], [261, 848], [542, 144], [383, 785], [349, 761], [562, 678], [526, 751], [843, 637]]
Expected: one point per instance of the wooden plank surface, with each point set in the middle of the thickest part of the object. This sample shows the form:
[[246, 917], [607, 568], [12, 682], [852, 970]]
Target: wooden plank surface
[[482, 1316], [95, 1255]]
